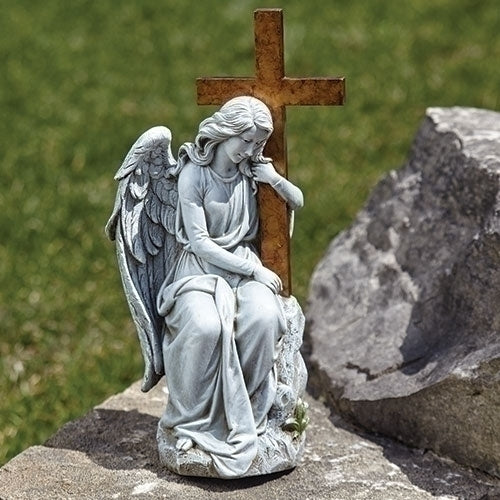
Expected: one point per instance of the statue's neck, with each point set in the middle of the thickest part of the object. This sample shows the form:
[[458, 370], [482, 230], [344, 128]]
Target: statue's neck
[[222, 164]]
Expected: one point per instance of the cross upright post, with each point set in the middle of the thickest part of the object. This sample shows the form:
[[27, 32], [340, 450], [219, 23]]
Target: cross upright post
[[271, 86]]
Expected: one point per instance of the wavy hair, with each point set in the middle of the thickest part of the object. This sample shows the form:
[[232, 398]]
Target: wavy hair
[[235, 117]]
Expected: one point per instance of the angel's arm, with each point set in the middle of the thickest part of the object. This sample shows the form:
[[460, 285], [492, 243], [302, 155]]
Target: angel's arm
[[195, 225], [265, 172]]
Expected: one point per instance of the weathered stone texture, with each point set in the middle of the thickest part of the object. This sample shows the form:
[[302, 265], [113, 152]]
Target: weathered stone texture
[[111, 453], [404, 309]]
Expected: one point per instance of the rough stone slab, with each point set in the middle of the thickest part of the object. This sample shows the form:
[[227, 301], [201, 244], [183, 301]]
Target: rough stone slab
[[111, 454], [404, 317]]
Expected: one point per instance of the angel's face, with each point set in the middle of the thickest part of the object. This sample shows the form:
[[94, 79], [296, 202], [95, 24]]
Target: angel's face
[[245, 145]]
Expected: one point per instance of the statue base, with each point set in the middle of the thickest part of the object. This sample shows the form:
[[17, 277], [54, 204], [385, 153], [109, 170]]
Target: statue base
[[281, 446]]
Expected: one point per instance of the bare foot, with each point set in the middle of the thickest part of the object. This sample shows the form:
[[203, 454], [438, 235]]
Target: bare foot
[[184, 444]]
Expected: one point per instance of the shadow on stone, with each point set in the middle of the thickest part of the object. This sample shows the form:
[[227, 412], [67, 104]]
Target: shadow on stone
[[456, 319], [126, 440], [221, 485], [113, 439]]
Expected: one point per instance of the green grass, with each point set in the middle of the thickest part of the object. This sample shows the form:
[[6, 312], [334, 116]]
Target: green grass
[[80, 80]]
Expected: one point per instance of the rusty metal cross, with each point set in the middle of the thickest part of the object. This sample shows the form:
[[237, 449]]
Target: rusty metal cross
[[275, 89]]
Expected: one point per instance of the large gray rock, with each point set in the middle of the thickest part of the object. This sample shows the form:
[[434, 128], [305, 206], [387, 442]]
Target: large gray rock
[[404, 311]]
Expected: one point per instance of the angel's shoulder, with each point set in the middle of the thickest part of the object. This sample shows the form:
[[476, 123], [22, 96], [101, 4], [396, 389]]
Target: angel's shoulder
[[191, 173], [191, 168]]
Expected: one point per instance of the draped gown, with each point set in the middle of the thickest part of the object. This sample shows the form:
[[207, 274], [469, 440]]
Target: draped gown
[[222, 327]]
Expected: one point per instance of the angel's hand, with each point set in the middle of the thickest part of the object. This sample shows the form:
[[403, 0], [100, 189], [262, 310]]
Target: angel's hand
[[268, 278], [265, 172]]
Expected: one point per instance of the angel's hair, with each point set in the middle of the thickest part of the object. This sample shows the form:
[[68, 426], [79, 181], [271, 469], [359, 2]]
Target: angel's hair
[[234, 118]]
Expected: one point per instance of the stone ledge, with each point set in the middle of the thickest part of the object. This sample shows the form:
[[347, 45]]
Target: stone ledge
[[111, 453]]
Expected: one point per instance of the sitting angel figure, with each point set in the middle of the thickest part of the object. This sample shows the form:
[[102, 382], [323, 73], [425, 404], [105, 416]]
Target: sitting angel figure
[[208, 313]]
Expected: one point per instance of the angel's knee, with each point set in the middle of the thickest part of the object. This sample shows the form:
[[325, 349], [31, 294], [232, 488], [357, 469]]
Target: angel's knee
[[205, 326]]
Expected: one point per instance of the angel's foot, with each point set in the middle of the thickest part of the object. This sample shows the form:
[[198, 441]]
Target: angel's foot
[[184, 444]]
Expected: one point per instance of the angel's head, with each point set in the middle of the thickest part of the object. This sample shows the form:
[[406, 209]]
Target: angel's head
[[238, 116]]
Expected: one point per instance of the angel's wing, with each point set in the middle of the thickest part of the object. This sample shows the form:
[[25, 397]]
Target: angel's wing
[[143, 226]]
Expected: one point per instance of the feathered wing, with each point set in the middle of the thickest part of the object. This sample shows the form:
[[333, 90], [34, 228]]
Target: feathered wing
[[143, 226]]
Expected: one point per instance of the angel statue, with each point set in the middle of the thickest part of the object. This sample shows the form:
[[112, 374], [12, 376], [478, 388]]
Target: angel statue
[[208, 313]]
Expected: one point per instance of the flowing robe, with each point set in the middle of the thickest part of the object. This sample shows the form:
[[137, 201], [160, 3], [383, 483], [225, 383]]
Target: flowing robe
[[222, 327]]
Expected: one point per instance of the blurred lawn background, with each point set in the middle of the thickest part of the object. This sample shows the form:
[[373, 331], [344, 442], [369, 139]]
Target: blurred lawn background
[[79, 82]]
